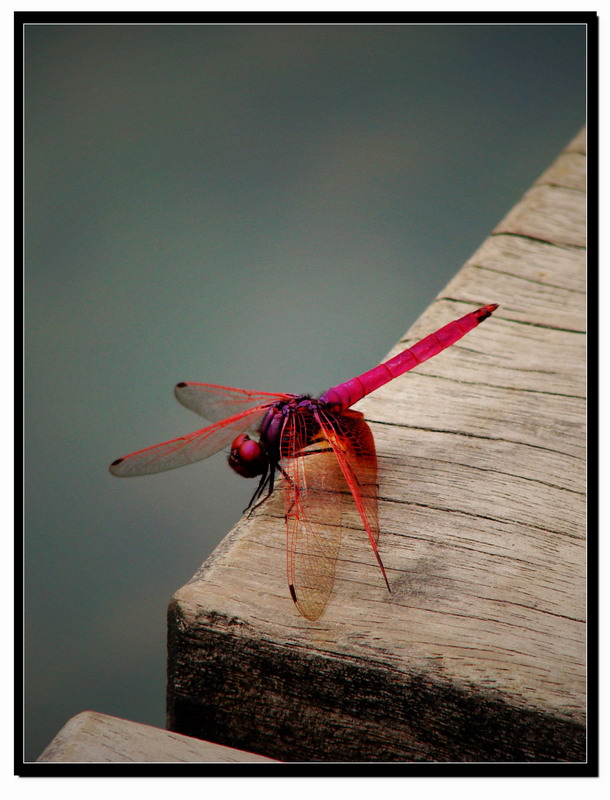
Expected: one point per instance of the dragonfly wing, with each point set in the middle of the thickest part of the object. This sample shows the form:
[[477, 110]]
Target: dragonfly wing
[[354, 447], [314, 497], [216, 403], [188, 449]]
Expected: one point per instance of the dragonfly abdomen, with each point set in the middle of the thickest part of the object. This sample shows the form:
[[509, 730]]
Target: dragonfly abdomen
[[346, 394]]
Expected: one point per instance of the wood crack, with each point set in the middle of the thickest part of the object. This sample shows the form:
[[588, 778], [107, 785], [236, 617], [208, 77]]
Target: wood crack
[[470, 435], [529, 237], [546, 284], [467, 465], [472, 515], [436, 376]]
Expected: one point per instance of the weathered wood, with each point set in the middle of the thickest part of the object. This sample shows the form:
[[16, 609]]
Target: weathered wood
[[98, 738], [479, 651]]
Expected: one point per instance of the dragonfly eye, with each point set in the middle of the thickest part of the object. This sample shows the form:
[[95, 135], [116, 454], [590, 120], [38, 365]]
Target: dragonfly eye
[[248, 458]]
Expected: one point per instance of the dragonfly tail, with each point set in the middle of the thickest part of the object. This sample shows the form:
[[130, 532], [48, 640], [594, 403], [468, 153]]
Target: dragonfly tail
[[344, 395]]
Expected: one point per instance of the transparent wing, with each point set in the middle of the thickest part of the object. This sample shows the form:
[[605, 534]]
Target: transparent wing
[[219, 402], [315, 495], [190, 448], [354, 447]]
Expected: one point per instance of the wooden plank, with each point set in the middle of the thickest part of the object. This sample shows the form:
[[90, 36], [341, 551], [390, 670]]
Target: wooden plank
[[98, 738], [479, 651]]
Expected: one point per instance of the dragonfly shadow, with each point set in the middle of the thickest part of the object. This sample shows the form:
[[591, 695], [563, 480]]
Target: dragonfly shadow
[[427, 579]]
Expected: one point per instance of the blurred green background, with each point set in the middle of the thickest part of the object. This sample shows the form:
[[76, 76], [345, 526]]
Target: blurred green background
[[268, 207]]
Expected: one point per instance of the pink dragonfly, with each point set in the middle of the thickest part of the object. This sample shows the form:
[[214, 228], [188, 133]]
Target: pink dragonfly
[[321, 447]]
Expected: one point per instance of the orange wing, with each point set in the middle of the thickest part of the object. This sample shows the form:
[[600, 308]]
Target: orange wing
[[353, 444], [323, 476], [314, 493]]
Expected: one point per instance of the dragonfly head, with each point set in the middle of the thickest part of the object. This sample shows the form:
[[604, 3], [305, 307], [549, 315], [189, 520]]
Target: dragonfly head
[[248, 458]]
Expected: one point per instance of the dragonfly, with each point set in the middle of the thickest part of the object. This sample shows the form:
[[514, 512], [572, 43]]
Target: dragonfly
[[322, 448]]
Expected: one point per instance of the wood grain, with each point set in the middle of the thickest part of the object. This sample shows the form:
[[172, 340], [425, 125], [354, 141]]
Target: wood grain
[[479, 651], [90, 737]]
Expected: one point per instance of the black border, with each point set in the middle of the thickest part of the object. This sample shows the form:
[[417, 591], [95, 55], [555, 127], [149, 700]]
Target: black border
[[590, 768]]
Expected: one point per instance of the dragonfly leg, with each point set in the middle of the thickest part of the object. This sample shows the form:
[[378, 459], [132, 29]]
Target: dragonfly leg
[[267, 480], [314, 452]]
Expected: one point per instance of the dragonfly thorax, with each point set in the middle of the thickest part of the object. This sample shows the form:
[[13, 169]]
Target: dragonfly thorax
[[250, 458], [277, 419]]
